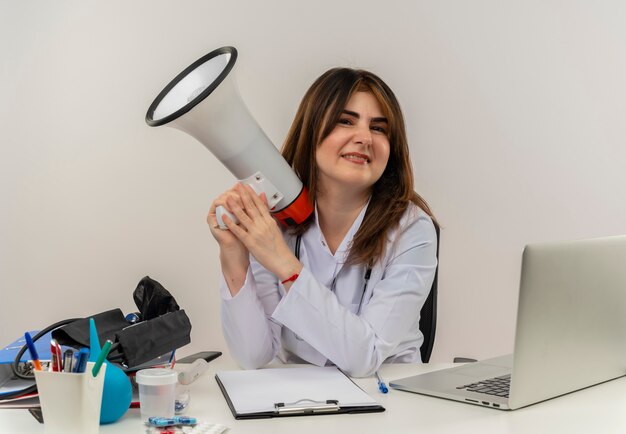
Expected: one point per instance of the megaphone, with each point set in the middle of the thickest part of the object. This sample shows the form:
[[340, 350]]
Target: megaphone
[[203, 101]]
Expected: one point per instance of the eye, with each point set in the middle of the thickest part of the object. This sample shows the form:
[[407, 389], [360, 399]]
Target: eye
[[345, 121], [379, 129]]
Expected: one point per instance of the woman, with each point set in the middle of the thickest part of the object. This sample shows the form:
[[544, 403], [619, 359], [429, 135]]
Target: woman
[[346, 286]]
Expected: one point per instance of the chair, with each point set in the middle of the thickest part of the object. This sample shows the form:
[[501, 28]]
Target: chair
[[428, 317], [428, 314]]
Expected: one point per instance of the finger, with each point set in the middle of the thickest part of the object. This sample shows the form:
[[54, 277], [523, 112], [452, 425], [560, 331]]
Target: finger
[[260, 202], [263, 197], [247, 197], [214, 224], [256, 199], [223, 199], [211, 219], [215, 204], [212, 214], [240, 213], [234, 229]]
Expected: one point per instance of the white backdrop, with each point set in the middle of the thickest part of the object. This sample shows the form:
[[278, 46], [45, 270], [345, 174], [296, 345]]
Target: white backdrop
[[515, 114]]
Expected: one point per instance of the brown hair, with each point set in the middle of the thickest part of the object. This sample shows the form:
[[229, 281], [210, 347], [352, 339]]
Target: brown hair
[[316, 117]]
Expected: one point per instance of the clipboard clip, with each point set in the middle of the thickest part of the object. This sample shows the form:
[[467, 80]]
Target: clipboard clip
[[307, 406]]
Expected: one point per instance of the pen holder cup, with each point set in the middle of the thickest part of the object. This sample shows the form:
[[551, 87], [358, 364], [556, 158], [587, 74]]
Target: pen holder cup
[[70, 402]]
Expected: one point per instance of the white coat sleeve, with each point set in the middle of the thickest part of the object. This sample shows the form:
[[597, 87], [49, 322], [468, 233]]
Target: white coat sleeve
[[253, 339], [359, 344]]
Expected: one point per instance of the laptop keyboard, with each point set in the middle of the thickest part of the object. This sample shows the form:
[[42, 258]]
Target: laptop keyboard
[[498, 386]]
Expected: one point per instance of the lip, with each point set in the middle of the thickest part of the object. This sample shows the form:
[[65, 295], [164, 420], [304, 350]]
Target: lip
[[356, 157]]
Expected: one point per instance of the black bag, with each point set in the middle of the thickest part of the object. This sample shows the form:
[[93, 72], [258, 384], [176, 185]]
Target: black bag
[[161, 328]]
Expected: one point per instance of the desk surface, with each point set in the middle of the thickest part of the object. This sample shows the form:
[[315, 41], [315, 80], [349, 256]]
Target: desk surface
[[598, 409]]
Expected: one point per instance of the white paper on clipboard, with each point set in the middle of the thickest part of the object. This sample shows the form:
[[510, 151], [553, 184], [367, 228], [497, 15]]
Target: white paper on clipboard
[[259, 391]]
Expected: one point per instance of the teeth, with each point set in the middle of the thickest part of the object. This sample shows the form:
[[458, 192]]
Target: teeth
[[356, 158]]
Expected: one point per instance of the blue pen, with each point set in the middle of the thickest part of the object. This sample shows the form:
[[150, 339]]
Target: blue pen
[[81, 361], [33, 351], [381, 384]]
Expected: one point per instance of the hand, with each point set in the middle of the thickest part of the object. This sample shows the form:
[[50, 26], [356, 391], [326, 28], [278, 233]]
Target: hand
[[259, 232], [225, 238], [234, 256]]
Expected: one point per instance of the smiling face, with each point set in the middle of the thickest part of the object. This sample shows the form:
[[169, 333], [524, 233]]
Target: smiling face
[[355, 153]]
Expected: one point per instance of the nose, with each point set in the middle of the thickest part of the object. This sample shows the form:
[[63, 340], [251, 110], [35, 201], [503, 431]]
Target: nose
[[364, 136]]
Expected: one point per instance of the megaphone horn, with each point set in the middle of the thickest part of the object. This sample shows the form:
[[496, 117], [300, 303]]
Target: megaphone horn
[[203, 101]]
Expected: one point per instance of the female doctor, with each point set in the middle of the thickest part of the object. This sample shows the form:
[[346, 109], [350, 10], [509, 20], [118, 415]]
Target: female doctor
[[346, 286]]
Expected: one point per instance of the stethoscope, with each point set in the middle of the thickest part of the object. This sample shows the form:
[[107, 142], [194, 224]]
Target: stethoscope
[[366, 278]]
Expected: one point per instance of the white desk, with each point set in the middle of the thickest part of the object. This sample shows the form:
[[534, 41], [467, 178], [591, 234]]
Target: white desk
[[600, 409]]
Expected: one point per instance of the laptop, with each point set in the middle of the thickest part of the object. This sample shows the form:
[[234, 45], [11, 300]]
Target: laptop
[[570, 332]]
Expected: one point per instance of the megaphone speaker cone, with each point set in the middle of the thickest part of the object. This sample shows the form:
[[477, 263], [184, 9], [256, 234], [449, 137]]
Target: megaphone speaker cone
[[203, 101]]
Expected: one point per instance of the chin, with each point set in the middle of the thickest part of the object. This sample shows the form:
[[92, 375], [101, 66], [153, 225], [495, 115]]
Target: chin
[[357, 184]]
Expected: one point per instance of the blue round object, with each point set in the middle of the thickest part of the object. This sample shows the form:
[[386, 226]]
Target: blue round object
[[117, 391], [116, 394], [132, 318]]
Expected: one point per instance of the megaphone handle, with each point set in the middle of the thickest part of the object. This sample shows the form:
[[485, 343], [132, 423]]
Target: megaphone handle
[[219, 212], [260, 184]]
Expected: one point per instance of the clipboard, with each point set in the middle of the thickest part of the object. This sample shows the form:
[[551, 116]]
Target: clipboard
[[306, 391], [8, 353]]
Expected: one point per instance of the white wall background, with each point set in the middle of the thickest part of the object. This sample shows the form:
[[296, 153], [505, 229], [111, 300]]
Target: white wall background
[[515, 113]]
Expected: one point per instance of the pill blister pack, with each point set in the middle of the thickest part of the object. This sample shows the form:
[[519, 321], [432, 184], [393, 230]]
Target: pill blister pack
[[200, 428], [206, 428]]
